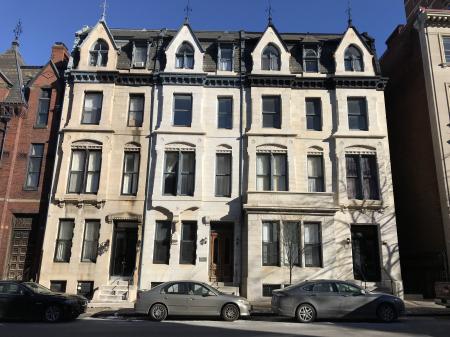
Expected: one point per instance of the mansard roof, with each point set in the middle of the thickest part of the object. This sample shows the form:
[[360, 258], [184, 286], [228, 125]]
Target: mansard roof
[[10, 63], [159, 39]]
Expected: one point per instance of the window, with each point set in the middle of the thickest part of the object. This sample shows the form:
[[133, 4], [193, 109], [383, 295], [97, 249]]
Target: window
[[324, 287], [84, 175], [140, 56], [2, 137], [185, 57], [348, 288], [58, 286], [271, 110], [181, 288], [362, 177], [43, 108], [269, 288], [291, 243], [197, 289], [90, 242], [223, 175], [225, 113], [86, 289], [353, 59], [357, 113], [155, 284], [130, 173], [92, 108], [270, 244], [64, 241], [161, 250], [9, 288], [271, 172], [179, 173], [99, 54], [446, 41], [310, 60], [136, 110], [315, 174], [188, 242], [34, 166], [182, 111], [312, 245], [270, 58], [226, 57], [314, 114]]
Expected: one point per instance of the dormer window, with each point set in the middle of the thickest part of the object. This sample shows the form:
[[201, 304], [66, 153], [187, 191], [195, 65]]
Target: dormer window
[[353, 59], [311, 60], [270, 58], [99, 54], [226, 57], [140, 56], [185, 57]]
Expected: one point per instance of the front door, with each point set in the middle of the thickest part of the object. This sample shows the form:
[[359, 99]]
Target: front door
[[221, 253], [366, 253], [123, 260]]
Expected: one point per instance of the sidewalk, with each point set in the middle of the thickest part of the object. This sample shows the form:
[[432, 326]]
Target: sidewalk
[[413, 308]]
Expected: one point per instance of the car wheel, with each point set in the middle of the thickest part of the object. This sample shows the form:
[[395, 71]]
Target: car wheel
[[158, 312], [52, 314], [306, 313], [386, 313], [230, 312]]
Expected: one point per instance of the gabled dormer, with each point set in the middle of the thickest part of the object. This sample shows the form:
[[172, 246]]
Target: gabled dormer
[[271, 55], [353, 57], [184, 53], [98, 51]]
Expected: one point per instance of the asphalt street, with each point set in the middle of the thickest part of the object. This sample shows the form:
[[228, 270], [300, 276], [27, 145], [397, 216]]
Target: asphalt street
[[260, 326]]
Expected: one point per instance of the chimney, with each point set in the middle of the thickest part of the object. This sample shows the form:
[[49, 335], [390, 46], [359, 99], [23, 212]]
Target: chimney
[[60, 55]]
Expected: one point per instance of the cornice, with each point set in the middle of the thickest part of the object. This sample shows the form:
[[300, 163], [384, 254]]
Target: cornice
[[436, 18]]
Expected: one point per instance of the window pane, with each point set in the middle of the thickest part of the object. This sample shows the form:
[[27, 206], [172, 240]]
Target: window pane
[[223, 174], [270, 244], [140, 54], [170, 173], [225, 113], [357, 113], [279, 172], [226, 58], [447, 49], [161, 250], [315, 174], [92, 108], [263, 172], [312, 243], [188, 243], [271, 112], [314, 114], [136, 110], [182, 110], [311, 66]]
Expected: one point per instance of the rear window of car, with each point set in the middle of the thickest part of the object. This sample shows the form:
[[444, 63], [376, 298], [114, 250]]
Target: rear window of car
[[9, 288], [323, 287]]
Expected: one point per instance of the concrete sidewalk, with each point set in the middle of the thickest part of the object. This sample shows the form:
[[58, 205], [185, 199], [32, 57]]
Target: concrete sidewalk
[[413, 308]]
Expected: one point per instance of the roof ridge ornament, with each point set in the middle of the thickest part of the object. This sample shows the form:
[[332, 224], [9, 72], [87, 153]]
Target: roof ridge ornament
[[18, 31], [188, 11], [269, 12], [104, 7], [349, 14]]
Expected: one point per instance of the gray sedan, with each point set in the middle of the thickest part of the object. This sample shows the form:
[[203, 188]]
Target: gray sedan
[[310, 300], [189, 298]]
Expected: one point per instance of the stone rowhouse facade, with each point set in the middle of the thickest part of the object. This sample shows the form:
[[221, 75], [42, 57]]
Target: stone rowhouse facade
[[30, 103], [188, 228], [417, 112]]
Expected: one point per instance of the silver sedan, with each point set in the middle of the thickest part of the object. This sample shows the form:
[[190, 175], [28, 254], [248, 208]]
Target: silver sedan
[[189, 298], [334, 299]]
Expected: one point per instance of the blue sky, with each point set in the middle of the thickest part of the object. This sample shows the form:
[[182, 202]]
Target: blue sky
[[47, 21]]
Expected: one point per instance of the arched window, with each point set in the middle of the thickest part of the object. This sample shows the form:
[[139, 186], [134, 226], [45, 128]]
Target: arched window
[[270, 58], [353, 59], [311, 60], [185, 57], [99, 54]]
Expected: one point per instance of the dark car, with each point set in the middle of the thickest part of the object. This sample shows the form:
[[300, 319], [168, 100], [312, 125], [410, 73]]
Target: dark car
[[30, 301], [310, 300]]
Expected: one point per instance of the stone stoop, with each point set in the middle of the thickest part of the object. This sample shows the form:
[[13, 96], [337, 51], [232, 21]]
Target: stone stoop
[[117, 294], [226, 288]]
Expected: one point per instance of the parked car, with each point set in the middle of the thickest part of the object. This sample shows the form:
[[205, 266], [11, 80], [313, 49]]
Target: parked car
[[29, 300], [310, 300], [442, 290], [189, 298]]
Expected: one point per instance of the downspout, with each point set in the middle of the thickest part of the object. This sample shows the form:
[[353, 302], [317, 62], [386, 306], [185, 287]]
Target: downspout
[[149, 158], [241, 143]]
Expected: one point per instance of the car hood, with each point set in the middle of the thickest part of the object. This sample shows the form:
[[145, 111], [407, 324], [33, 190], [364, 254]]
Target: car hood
[[232, 297], [62, 296], [375, 294]]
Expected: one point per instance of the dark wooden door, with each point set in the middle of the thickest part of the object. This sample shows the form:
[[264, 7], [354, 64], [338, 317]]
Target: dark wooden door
[[221, 255], [124, 252], [366, 253]]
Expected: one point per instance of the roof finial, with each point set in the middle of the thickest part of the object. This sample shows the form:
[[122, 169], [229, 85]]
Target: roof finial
[[104, 7], [349, 13], [18, 31], [269, 12], [188, 11]]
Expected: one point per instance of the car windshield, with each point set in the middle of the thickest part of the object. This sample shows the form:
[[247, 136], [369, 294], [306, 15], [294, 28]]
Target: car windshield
[[37, 288]]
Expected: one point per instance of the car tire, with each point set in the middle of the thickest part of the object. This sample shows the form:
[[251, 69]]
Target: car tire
[[305, 313], [386, 313], [230, 312], [53, 314], [158, 312]]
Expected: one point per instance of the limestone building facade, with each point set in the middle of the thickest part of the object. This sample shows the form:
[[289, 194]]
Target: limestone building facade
[[249, 140]]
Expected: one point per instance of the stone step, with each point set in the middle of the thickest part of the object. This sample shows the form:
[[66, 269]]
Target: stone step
[[111, 287], [112, 297], [113, 305], [229, 290], [118, 283], [112, 292]]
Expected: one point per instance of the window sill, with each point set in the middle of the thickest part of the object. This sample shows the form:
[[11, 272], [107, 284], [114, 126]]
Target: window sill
[[31, 189], [40, 127]]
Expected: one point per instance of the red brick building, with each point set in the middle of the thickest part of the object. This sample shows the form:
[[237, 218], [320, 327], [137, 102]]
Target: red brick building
[[30, 105]]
